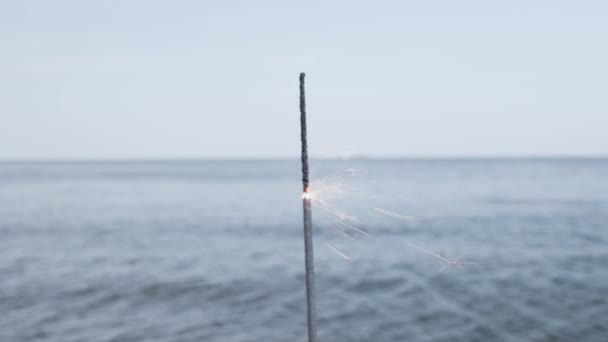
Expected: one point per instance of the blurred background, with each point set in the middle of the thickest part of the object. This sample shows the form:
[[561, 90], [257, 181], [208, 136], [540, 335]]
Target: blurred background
[[150, 186]]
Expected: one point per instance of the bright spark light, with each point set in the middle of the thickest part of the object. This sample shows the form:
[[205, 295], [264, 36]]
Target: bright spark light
[[307, 195]]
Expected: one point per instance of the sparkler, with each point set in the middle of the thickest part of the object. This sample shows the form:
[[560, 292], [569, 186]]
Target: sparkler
[[344, 221], [306, 203]]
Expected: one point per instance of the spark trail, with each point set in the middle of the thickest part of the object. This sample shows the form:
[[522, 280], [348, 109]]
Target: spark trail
[[335, 186]]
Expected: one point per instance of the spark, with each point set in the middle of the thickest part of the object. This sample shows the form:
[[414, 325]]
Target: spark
[[340, 253], [445, 262], [392, 214], [352, 227], [341, 231], [338, 213]]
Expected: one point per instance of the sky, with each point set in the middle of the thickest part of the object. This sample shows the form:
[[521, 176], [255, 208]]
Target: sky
[[219, 79]]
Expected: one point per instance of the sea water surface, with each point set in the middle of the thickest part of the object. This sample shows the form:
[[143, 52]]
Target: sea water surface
[[213, 250]]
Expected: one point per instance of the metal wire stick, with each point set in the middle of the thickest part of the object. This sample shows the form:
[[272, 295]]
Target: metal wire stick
[[306, 202]]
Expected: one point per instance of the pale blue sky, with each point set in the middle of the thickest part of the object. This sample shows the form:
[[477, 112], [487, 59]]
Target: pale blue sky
[[172, 79]]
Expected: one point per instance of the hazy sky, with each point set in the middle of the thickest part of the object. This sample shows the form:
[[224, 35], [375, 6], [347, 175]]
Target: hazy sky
[[145, 79]]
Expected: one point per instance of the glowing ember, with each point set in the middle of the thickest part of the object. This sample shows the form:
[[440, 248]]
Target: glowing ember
[[307, 195]]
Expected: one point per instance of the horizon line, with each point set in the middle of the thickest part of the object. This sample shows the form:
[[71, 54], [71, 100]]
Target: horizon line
[[289, 158]]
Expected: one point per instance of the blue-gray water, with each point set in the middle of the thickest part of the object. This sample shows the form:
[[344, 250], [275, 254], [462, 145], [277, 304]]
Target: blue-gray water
[[213, 251]]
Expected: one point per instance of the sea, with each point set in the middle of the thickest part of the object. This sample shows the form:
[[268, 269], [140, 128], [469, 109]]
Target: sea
[[212, 250]]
